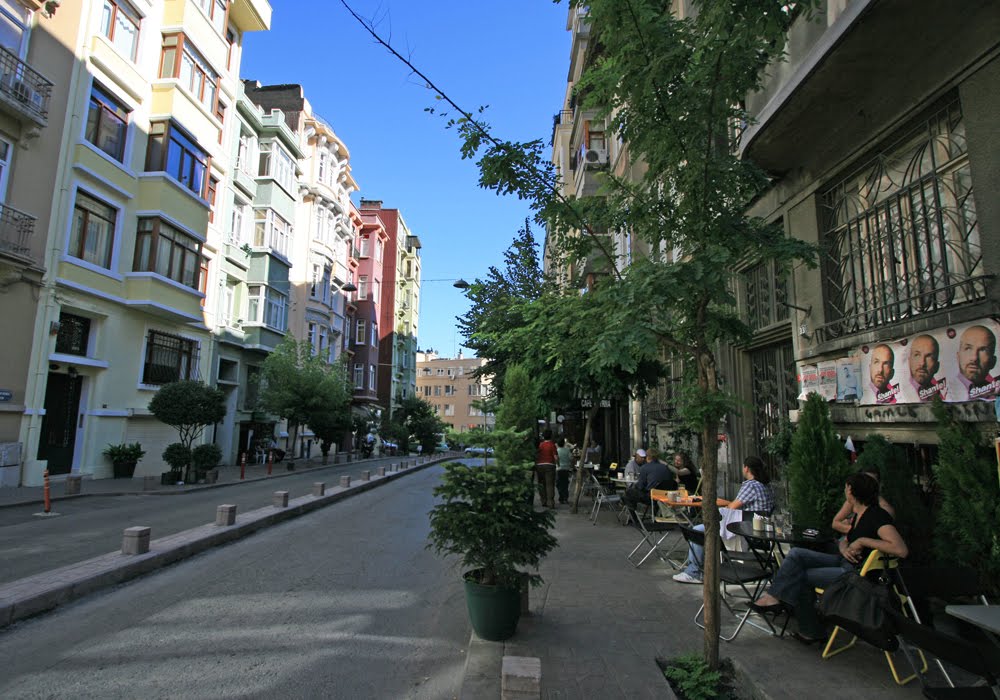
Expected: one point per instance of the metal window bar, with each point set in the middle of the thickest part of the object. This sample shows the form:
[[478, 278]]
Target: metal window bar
[[23, 85], [169, 358]]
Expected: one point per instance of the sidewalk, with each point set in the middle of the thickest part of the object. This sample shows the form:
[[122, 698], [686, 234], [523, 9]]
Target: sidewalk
[[228, 475], [598, 624]]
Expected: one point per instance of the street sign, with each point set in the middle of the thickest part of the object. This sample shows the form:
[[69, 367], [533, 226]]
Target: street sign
[[6, 395]]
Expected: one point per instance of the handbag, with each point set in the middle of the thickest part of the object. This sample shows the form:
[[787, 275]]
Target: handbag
[[859, 605]]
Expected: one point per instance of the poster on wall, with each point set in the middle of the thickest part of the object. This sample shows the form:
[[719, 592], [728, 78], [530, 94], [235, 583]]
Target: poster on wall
[[827, 379], [956, 363], [808, 380], [848, 372]]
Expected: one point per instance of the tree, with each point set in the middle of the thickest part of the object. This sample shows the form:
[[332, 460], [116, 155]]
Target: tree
[[671, 89], [188, 406], [518, 411], [817, 467], [422, 422], [330, 420], [968, 523]]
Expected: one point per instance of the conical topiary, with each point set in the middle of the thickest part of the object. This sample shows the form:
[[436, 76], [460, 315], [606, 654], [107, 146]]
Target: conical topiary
[[817, 467]]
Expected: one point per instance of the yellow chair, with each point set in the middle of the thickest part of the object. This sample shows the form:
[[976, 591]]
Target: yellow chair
[[876, 561]]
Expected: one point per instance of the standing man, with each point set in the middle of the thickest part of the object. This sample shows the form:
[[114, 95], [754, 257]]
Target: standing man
[[881, 372], [565, 456], [924, 364], [977, 348], [545, 468]]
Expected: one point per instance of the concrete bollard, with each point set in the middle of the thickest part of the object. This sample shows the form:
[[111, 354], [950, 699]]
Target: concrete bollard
[[366, 475], [73, 484], [149, 483], [521, 677], [280, 499], [381, 471], [336, 458], [225, 515], [319, 489], [135, 540], [345, 482]]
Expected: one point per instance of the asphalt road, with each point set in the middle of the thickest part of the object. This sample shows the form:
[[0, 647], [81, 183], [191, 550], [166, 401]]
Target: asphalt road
[[92, 526], [345, 602]]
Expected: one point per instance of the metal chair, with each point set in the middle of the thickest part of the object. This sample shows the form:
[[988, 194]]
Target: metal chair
[[653, 535], [601, 497]]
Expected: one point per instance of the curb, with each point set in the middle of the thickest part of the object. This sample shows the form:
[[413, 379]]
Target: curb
[[46, 591]]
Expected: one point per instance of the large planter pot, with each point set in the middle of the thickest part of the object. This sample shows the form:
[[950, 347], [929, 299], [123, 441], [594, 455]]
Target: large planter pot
[[124, 469], [493, 610]]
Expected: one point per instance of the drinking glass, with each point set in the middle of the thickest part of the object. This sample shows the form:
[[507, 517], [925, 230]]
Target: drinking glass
[[779, 523]]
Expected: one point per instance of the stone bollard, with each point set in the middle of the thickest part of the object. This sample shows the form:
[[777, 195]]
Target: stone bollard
[[394, 467], [135, 540], [366, 475], [520, 677], [345, 482], [149, 483], [280, 499], [381, 471], [225, 515], [319, 489], [336, 458], [73, 484]]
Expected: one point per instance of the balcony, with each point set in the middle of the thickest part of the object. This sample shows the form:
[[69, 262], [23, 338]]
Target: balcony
[[24, 91], [16, 230]]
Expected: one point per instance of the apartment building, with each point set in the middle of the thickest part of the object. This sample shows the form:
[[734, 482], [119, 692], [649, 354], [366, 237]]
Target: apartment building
[[448, 384], [364, 345], [399, 310]]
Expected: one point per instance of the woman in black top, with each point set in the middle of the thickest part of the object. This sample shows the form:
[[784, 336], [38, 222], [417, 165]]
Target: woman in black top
[[803, 570]]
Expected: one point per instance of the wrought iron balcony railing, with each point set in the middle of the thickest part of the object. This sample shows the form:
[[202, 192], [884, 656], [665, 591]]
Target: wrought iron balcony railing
[[24, 87], [16, 229]]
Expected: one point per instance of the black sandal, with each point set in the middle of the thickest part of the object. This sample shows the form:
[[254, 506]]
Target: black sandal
[[802, 639]]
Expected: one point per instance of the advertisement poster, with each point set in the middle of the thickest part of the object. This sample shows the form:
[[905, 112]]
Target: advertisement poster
[[827, 379], [956, 363], [848, 373], [808, 380]]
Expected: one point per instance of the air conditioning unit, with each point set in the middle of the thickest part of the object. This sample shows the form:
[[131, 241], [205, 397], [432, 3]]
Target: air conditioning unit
[[22, 91], [595, 156]]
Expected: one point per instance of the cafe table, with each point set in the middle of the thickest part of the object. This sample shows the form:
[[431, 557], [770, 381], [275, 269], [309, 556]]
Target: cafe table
[[791, 537], [681, 505], [985, 617]]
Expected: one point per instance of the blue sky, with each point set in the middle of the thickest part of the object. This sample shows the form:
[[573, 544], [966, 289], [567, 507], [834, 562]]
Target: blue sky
[[511, 55]]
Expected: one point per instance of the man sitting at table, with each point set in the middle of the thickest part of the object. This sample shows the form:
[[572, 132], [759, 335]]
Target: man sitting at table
[[632, 468], [754, 495], [652, 474]]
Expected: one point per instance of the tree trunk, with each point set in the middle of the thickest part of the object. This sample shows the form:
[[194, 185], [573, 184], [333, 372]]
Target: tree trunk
[[708, 383], [578, 489]]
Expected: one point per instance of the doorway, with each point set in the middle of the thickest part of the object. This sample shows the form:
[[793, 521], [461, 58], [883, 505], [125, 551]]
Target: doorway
[[59, 424]]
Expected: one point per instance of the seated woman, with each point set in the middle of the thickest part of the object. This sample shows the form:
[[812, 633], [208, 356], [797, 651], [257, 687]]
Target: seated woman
[[803, 569], [754, 495], [844, 518], [685, 471]]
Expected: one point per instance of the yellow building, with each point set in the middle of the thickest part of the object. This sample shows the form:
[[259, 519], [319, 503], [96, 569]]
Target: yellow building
[[139, 157]]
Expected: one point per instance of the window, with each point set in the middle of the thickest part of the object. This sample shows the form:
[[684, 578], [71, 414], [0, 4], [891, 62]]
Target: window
[[449, 390], [427, 391], [253, 387], [271, 231], [268, 306], [169, 358], [107, 123], [4, 168], [437, 391], [230, 43], [440, 371], [449, 409], [311, 337], [182, 61], [376, 290], [74, 334], [374, 334], [237, 226], [765, 296], [314, 282], [174, 152], [167, 251], [359, 333], [213, 189], [93, 234], [378, 250], [366, 246], [324, 285], [359, 376], [220, 114], [363, 287], [275, 162], [120, 24], [244, 153], [901, 233], [371, 377]]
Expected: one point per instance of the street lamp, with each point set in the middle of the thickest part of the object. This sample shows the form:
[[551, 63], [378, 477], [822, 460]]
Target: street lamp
[[458, 283]]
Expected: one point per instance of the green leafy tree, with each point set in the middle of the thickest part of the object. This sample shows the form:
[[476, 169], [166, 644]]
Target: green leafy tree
[[968, 522], [330, 417], [817, 466], [188, 406], [421, 422], [518, 411]]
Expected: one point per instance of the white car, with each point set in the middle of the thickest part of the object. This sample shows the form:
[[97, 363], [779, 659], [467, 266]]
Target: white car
[[478, 451]]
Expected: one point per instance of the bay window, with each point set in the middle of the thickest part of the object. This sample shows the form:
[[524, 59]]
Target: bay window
[[275, 162], [107, 123], [271, 231], [168, 252], [120, 24], [182, 61], [174, 152], [268, 307]]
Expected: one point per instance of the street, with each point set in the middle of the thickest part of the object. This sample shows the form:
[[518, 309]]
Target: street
[[91, 526], [344, 602]]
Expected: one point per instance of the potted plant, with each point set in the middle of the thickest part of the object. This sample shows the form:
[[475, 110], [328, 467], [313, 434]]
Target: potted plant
[[124, 457], [204, 459], [486, 518], [178, 456]]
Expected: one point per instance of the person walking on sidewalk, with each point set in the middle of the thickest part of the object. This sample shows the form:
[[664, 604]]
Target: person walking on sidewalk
[[565, 455], [545, 469]]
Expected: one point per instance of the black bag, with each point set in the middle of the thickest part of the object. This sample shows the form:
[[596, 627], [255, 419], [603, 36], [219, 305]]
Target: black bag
[[859, 606]]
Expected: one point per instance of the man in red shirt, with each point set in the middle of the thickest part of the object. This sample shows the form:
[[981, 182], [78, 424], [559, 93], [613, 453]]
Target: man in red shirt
[[545, 468]]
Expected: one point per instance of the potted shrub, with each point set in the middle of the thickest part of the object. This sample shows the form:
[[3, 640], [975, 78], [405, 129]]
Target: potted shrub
[[124, 457], [178, 457], [205, 459], [486, 518]]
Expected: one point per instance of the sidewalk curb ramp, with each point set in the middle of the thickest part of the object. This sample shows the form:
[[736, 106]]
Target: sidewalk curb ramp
[[46, 591]]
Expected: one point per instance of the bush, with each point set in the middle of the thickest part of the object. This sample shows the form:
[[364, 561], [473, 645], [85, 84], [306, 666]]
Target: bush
[[691, 677], [817, 467], [177, 455], [205, 457]]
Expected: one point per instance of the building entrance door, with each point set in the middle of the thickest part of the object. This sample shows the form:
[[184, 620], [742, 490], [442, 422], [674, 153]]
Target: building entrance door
[[62, 410]]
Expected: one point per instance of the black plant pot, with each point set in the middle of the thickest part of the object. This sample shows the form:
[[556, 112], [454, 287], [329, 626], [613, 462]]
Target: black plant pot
[[124, 469], [169, 478]]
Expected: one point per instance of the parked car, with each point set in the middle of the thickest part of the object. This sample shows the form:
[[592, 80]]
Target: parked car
[[478, 451]]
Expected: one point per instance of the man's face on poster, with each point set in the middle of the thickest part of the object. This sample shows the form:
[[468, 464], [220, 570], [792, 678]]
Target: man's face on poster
[[976, 354], [924, 364], [881, 367]]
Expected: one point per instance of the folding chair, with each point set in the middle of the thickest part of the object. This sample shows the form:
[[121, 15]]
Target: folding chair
[[955, 650], [736, 574], [601, 496], [650, 529], [876, 561]]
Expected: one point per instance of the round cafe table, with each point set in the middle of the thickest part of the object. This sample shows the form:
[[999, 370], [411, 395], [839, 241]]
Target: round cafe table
[[793, 538]]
